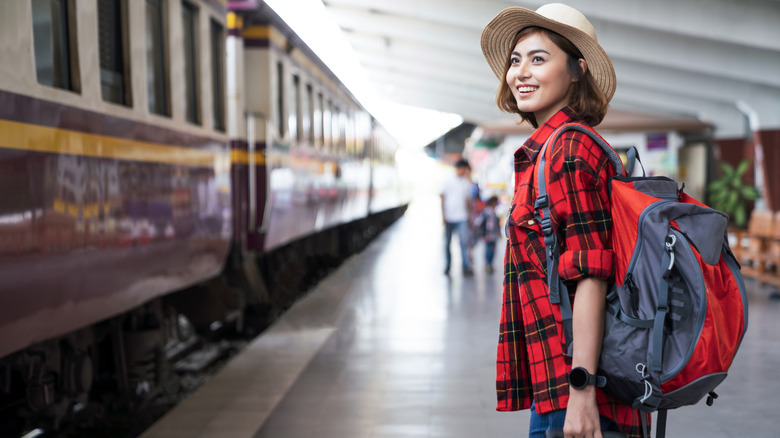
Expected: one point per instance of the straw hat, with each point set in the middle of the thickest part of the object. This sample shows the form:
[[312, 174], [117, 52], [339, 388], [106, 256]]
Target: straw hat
[[498, 36]]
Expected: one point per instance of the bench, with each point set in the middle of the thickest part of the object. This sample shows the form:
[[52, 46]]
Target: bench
[[753, 251], [771, 274]]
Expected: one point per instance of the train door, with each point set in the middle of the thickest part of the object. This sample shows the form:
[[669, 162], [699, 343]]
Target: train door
[[256, 182]]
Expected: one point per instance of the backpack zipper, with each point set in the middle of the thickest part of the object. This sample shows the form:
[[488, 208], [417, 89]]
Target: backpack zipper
[[663, 195]]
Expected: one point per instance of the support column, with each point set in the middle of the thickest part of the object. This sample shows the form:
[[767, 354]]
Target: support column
[[768, 141]]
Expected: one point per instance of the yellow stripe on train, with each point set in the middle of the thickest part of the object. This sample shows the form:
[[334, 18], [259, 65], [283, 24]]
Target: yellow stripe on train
[[24, 136], [242, 157], [234, 21]]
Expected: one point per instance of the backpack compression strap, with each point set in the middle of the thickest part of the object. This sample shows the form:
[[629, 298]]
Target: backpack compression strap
[[559, 294]]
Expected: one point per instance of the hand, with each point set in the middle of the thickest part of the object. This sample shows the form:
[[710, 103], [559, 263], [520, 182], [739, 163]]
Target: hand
[[582, 414]]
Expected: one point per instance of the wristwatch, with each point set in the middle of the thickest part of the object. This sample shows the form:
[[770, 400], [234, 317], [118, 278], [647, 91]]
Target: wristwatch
[[579, 378]]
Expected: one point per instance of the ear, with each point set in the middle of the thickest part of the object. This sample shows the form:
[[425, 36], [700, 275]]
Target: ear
[[583, 68]]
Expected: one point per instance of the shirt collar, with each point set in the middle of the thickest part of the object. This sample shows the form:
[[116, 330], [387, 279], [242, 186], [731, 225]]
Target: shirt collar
[[534, 143]]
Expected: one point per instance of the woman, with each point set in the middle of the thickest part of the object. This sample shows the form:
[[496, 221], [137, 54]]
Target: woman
[[553, 72]]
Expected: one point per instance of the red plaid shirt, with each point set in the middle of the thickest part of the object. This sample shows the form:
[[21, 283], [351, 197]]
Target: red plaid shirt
[[531, 363]]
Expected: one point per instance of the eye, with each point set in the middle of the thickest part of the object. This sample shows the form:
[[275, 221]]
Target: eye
[[514, 60], [537, 59]]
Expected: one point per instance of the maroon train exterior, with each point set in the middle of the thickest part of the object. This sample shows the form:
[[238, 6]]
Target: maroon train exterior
[[301, 134], [134, 171], [87, 237]]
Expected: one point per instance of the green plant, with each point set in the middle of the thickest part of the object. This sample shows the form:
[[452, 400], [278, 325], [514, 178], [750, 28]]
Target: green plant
[[730, 194]]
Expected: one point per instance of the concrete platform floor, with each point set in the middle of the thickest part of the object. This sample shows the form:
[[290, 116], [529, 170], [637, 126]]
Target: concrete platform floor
[[389, 347]]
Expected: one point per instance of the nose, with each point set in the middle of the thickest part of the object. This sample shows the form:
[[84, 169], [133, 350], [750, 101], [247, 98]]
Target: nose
[[522, 71]]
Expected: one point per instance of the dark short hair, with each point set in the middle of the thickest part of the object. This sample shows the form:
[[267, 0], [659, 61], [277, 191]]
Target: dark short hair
[[587, 99], [462, 163]]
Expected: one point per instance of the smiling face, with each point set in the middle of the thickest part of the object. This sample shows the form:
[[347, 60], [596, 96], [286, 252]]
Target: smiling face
[[539, 77]]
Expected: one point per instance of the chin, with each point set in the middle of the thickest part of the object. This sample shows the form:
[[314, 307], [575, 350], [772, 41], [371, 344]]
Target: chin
[[526, 108]]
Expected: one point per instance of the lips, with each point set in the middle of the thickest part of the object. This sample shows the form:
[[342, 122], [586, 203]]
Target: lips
[[527, 88]]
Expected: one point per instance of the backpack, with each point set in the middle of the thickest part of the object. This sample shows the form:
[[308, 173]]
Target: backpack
[[677, 310]]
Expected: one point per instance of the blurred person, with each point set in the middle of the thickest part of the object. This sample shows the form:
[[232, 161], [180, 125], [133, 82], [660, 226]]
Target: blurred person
[[456, 210], [488, 226], [477, 204], [551, 72]]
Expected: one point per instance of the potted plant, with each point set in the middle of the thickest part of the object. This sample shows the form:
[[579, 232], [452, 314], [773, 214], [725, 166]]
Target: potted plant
[[730, 194]]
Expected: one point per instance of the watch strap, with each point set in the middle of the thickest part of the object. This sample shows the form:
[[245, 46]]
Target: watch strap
[[590, 379]]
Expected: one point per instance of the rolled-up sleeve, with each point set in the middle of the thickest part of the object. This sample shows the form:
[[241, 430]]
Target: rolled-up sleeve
[[584, 210]]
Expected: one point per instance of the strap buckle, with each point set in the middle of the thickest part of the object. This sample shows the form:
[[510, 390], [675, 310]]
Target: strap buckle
[[547, 227], [542, 201]]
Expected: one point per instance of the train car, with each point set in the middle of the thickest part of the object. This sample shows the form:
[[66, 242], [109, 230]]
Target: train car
[[327, 165], [167, 167], [116, 188]]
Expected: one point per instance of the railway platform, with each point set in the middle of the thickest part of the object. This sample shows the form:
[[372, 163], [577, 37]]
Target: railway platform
[[389, 347]]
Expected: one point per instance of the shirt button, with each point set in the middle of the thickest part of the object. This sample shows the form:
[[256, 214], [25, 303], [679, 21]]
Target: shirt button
[[531, 222]]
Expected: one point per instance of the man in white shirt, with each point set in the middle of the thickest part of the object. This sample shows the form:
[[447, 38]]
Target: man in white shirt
[[455, 208]]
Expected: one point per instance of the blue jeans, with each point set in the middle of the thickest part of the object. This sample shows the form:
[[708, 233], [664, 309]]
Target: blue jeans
[[490, 252], [555, 420], [462, 228]]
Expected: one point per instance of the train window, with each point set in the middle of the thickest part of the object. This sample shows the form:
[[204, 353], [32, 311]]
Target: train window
[[335, 132], [54, 59], [349, 134], [218, 75], [320, 122], [361, 132], [327, 126], [280, 98], [156, 78], [358, 133], [112, 41], [308, 120], [295, 115], [343, 118], [189, 17]]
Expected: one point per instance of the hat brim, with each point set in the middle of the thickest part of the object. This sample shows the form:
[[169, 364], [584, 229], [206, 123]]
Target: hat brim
[[498, 37]]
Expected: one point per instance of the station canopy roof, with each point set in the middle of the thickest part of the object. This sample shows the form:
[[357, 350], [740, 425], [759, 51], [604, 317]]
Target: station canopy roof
[[680, 64]]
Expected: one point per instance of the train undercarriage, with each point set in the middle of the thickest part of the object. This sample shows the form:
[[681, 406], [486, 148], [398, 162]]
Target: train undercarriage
[[139, 364]]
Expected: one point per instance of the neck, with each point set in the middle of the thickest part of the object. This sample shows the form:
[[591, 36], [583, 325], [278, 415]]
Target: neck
[[543, 116]]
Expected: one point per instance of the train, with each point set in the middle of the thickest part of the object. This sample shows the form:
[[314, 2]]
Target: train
[[168, 168]]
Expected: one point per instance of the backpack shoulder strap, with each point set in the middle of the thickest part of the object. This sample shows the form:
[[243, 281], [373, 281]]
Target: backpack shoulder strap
[[558, 291], [611, 154]]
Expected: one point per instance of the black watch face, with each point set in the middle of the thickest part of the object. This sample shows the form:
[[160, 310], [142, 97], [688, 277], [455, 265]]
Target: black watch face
[[578, 377]]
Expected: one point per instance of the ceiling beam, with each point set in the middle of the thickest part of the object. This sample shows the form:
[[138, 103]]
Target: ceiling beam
[[409, 29], [737, 63], [468, 14], [763, 99], [727, 121], [405, 51], [452, 77]]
